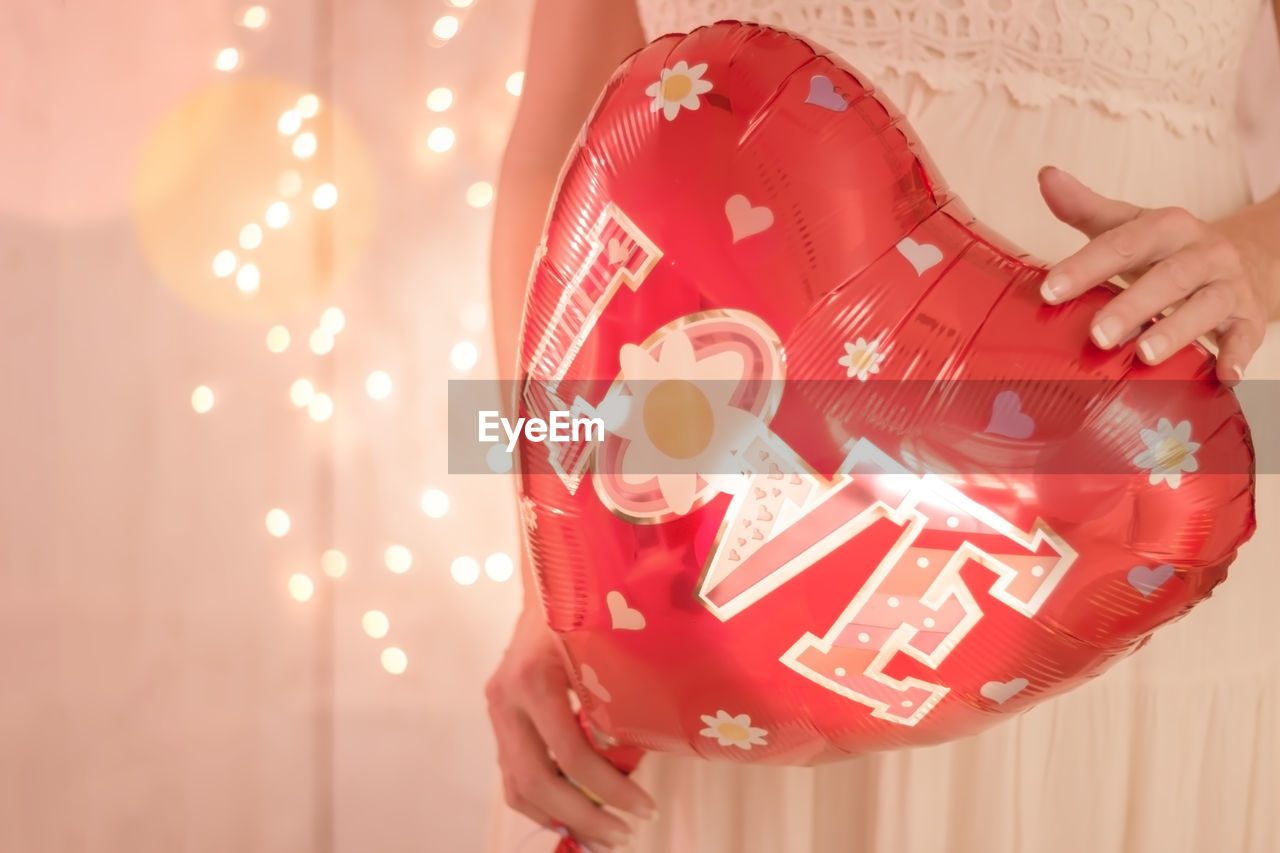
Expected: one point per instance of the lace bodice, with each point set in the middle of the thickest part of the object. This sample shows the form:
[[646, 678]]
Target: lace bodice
[[1174, 59]]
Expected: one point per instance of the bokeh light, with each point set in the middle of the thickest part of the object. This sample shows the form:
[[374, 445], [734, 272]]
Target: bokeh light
[[439, 100], [277, 214], [435, 503], [498, 459], [378, 385], [461, 4], [308, 105], [304, 145], [289, 184], [321, 342], [445, 27], [301, 587], [515, 83], [224, 263], [441, 139], [324, 196], [248, 278], [464, 356], [290, 123], [277, 339], [398, 559], [320, 408], [278, 522], [499, 567], [375, 623], [480, 194], [301, 392], [228, 59], [333, 563], [251, 236], [465, 570], [255, 17], [213, 163], [333, 320], [394, 660], [202, 399]]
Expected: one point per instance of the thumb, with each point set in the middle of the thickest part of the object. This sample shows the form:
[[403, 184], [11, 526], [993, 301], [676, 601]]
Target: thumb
[[1081, 207]]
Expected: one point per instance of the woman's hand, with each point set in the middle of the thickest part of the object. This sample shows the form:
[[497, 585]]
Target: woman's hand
[[1222, 277], [533, 721]]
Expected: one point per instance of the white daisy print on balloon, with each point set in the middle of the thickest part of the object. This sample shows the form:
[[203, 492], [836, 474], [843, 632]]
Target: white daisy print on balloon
[[681, 429], [861, 358], [728, 730], [1170, 453], [678, 87]]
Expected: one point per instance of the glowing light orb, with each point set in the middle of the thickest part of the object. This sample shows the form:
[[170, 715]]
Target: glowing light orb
[[399, 559], [465, 570], [378, 385], [202, 399], [435, 503], [333, 563], [278, 522], [439, 100], [215, 162], [277, 339], [301, 587]]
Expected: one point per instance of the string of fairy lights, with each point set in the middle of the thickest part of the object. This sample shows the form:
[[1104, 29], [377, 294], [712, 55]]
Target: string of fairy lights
[[237, 265]]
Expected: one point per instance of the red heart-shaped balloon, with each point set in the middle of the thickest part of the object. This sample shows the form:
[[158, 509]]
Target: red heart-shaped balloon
[[859, 486]]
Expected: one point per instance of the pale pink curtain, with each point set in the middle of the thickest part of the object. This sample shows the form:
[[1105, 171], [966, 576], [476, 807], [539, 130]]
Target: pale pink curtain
[[163, 691]]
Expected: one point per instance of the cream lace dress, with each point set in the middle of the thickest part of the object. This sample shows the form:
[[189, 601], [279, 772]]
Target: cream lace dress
[[1176, 749]]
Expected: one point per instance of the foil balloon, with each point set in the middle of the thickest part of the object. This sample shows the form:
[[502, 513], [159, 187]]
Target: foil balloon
[[852, 485]]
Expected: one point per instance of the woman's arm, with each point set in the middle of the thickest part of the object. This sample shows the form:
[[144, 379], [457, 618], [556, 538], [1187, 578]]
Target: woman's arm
[[574, 48], [1224, 276], [1221, 277], [575, 45]]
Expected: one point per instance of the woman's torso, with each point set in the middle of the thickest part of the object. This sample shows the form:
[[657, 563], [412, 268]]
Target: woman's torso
[[1137, 98]]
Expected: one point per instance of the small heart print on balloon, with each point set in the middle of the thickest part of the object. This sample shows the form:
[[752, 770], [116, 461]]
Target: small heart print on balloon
[[822, 93], [591, 681], [922, 256], [1007, 417], [1147, 580], [625, 617], [745, 220], [1002, 691]]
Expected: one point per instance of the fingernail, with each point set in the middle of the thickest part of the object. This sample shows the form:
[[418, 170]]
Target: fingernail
[[1052, 288], [618, 837], [646, 812], [1106, 331], [1238, 371], [1152, 349]]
